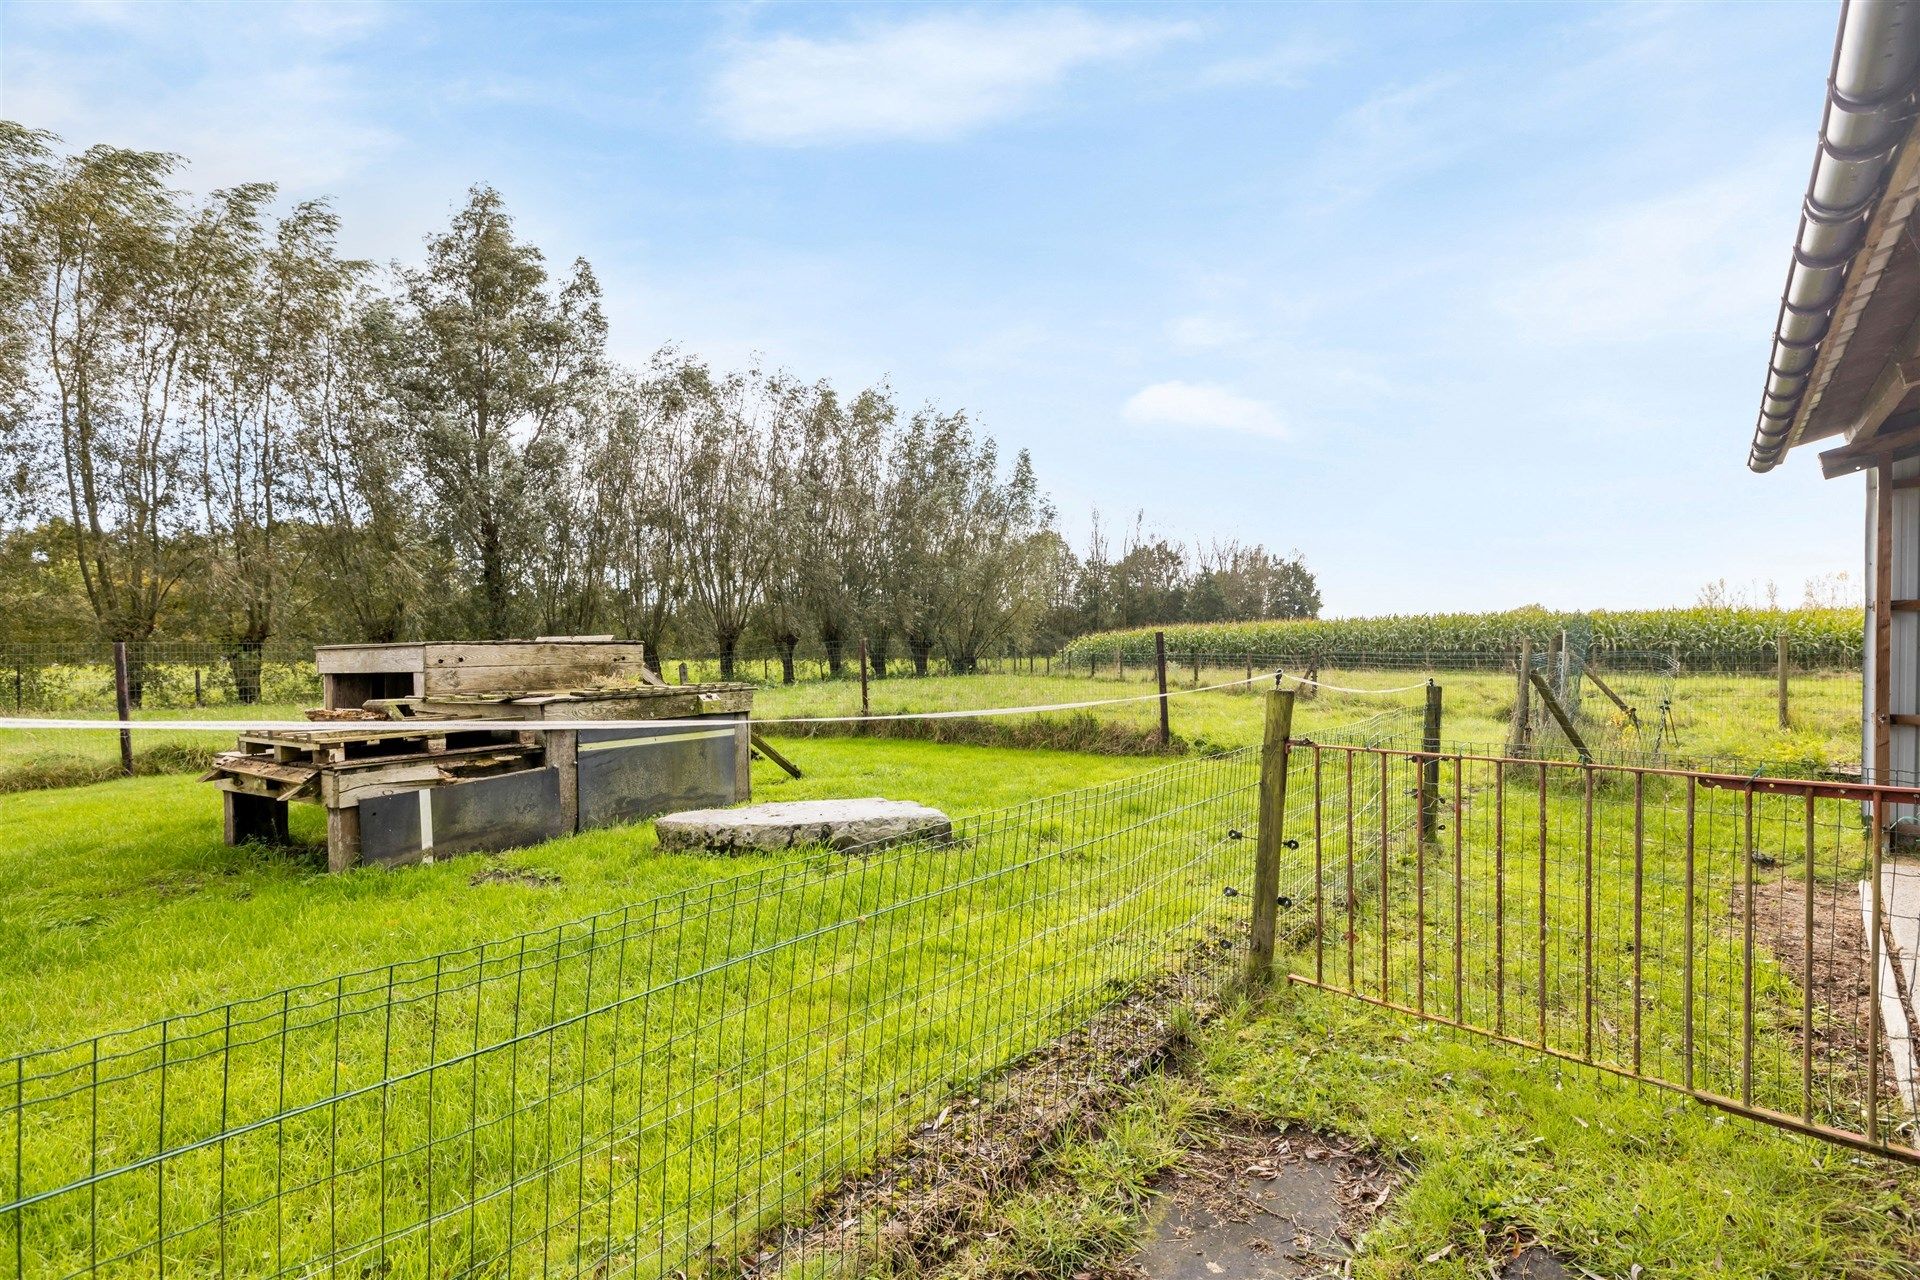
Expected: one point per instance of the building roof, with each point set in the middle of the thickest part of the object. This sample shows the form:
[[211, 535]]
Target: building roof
[[1846, 351]]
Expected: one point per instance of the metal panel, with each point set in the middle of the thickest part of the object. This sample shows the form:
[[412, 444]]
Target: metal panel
[[1903, 764], [629, 774], [486, 814]]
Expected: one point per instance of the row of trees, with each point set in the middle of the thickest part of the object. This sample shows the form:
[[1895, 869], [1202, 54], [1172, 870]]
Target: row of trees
[[217, 427]]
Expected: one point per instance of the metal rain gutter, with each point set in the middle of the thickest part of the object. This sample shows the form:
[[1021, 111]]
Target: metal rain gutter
[[1869, 105]]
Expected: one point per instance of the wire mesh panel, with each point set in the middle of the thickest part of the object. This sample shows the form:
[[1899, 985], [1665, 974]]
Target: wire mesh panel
[[1748, 940], [650, 1091]]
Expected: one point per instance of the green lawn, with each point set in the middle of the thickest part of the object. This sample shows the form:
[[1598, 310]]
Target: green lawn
[[1710, 717], [559, 1100], [119, 902]]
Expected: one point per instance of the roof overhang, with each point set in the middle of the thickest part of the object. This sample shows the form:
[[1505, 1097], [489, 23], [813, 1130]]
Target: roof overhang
[[1846, 352]]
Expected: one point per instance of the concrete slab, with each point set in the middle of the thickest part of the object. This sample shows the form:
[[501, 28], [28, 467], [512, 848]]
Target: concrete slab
[[1899, 968], [1535, 1263], [1260, 1207], [870, 822]]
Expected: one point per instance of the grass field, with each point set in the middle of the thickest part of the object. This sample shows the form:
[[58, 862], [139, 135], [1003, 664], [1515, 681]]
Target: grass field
[[1712, 716], [118, 902]]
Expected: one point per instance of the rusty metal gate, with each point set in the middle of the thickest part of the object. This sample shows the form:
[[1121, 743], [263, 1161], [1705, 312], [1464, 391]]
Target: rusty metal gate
[[1750, 941]]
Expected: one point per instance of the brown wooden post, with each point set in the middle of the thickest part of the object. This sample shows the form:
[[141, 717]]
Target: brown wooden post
[[1196, 668], [1430, 766], [198, 700], [1267, 845], [1780, 667], [1883, 624], [123, 705], [19, 686], [1119, 662], [1249, 673], [865, 709], [1160, 675], [683, 673], [1518, 735]]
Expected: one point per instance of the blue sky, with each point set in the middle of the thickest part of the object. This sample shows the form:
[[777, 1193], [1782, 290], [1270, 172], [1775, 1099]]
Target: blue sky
[[1468, 304]]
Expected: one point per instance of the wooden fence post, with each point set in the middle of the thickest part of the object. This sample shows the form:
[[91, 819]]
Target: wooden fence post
[[19, 686], [1196, 668], [1249, 673], [1522, 703], [1780, 665], [1160, 675], [1267, 845], [683, 673], [864, 706], [123, 704], [199, 699], [1430, 765]]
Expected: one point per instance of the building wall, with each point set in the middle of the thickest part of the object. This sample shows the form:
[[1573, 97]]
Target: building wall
[[1904, 687]]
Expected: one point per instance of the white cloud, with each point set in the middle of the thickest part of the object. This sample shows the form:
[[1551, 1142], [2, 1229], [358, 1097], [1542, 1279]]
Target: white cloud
[[1202, 406], [248, 93], [1204, 332], [928, 78], [1284, 66], [1703, 259]]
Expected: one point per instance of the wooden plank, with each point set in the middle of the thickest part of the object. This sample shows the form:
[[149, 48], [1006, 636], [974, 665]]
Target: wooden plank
[[343, 838], [1614, 698], [760, 744], [367, 659], [1883, 622], [1560, 717]]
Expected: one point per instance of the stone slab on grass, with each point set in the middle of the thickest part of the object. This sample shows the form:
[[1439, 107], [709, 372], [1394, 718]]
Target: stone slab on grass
[[792, 824]]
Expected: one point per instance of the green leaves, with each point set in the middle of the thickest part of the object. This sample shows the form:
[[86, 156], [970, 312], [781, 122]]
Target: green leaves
[[1697, 636]]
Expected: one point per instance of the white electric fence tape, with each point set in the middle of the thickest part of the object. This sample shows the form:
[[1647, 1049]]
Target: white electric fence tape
[[504, 723]]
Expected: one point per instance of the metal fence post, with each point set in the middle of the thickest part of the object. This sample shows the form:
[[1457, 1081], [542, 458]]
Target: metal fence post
[[1430, 764], [1266, 853], [1160, 675], [123, 705]]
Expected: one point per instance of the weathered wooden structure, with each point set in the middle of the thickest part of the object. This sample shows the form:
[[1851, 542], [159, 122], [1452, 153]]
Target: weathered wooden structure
[[406, 774]]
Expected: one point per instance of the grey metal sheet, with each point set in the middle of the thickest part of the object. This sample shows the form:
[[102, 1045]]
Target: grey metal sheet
[[484, 815], [629, 774]]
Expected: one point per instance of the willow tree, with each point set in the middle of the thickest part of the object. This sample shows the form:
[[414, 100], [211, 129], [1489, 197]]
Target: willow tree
[[488, 367], [257, 375], [120, 281]]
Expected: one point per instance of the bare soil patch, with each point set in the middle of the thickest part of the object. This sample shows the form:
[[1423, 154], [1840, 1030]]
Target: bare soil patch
[[914, 1210]]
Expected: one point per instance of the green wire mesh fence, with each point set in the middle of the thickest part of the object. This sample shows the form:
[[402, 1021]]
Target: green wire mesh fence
[[666, 1089]]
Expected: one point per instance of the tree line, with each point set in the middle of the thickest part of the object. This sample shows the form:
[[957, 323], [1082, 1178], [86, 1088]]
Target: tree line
[[215, 426]]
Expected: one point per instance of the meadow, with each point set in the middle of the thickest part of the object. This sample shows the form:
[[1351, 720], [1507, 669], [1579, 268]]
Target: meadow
[[118, 902]]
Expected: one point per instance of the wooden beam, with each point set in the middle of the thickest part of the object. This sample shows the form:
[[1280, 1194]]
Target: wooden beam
[[1561, 718], [760, 745], [1900, 438], [1904, 606]]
